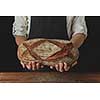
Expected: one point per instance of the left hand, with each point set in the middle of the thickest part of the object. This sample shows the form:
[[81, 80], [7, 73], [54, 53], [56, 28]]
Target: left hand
[[61, 67], [32, 65]]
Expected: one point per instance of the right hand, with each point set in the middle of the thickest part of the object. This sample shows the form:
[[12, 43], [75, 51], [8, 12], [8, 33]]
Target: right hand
[[32, 65]]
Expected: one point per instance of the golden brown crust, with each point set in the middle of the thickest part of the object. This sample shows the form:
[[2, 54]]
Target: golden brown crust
[[47, 51]]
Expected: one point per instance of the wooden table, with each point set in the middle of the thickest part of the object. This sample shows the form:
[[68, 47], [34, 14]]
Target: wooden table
[[48, 77]]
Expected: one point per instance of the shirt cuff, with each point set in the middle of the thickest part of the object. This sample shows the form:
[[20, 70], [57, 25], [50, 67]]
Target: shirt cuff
[[85, 34]]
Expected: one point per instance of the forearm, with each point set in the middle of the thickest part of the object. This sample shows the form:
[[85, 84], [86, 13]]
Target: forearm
[[20, 39], [78, 40]]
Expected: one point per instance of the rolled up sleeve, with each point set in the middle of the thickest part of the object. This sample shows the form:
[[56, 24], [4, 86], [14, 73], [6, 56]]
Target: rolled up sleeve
[[20, 26], [79, 26]]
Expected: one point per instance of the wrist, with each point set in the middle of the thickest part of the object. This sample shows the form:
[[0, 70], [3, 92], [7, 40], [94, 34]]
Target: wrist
[[20, 39], [77, 40]]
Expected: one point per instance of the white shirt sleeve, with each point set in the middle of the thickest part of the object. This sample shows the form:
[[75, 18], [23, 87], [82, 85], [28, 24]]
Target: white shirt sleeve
[[79, 25], [20, 26]]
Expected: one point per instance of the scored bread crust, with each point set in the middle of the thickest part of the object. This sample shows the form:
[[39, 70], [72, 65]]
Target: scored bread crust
[[47, 51]]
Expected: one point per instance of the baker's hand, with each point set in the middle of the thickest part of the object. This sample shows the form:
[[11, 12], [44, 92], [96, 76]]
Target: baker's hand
[[32, 65], [61, 67]]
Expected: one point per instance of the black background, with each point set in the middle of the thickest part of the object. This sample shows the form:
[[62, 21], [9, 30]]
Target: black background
[[89, 60]]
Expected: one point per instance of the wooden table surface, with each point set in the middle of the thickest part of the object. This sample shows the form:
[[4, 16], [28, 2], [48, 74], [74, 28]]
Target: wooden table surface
[[48, 77]]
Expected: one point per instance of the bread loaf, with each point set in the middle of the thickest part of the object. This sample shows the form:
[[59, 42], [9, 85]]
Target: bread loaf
[[47, 51]]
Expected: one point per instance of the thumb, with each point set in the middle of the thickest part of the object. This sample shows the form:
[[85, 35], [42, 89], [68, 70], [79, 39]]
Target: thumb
[[23, 65]]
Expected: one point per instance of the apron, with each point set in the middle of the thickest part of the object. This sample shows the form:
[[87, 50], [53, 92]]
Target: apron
[[50, 27]]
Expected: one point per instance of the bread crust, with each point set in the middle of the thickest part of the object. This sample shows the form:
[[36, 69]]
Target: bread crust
[[47, 51]]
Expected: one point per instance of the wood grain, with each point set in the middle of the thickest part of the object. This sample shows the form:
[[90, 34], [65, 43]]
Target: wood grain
[[48, 77]]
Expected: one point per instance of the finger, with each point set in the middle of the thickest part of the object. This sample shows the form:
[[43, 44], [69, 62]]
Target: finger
[[57, 67], [51, 67], [33, 65], [74, 63], [65, 66], [29, 65], [42, 66], [23, 65], [61, 67], [68, 67], [37, 65]]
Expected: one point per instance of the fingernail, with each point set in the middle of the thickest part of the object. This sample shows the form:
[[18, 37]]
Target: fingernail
[[27, 66], [33, 68], [61, 71], [51, 67], [22, 65], [42, 66]]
